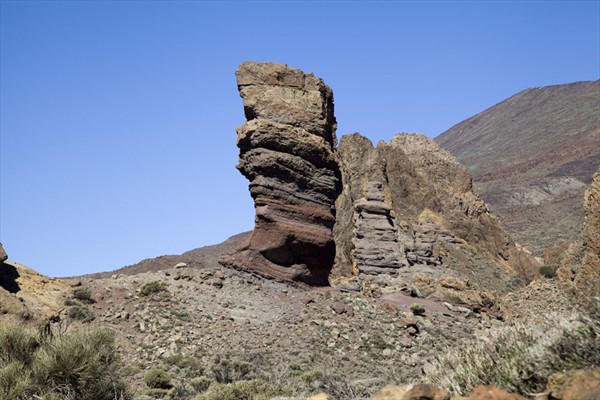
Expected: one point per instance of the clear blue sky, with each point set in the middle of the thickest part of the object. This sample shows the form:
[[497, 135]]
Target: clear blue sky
[[117, 118]]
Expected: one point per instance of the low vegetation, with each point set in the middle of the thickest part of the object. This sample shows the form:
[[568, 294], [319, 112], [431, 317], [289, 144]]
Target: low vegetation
[[81, 365], [520, 358], [154, 289]]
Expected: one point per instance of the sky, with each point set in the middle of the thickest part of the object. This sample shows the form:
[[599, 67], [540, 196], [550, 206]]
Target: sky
[[117, 118]]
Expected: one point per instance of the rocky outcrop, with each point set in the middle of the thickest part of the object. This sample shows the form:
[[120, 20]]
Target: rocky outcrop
[[408, 206], [286, 152], [580, 266], [3, 255]]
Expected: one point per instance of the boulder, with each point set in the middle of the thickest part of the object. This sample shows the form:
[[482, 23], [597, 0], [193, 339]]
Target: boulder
[[3, 255], [287, 154], [493, 393]]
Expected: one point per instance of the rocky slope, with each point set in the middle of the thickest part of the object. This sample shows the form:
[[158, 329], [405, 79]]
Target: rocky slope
[[408, 209], [531, 157], [26, 295], [286, 152]]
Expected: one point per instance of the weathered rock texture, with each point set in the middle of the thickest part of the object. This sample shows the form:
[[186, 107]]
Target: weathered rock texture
[[286, 152], [376, 246], [3, 256], [580, 267], [417, 192]]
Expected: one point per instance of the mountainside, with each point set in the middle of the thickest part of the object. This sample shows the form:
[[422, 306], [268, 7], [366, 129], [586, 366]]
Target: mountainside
[[531, 157]]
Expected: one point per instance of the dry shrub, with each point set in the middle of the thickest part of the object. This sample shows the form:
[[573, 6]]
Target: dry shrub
[[81, 365], [520, 358]]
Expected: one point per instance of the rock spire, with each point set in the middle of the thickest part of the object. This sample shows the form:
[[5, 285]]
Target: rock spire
[[287, 154]]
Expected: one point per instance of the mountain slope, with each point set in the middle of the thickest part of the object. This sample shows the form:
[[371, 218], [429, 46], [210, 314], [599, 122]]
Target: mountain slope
[[531, 157]]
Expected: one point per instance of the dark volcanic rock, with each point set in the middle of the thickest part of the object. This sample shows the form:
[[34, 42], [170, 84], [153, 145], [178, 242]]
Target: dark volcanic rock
[[286, 152]]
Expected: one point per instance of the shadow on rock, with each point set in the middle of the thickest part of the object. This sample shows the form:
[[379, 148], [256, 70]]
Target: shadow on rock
[[8, 278]]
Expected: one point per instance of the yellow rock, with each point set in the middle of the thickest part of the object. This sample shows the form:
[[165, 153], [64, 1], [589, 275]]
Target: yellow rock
[[391, 392], [320, 396]]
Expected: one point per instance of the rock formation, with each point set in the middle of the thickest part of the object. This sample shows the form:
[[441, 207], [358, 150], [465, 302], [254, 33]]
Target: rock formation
[[376, 246], [286, 152], [408, 207], [580, 266], [3, 256]]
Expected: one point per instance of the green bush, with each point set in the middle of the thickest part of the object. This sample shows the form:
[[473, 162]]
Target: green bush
[[256, 389], [200, 383], [548, 271], [83, 293], [82, 365], [520, 358], [157, 378], [154, 287], [226, 370], [189, 366], [417, 309], [81, 313]]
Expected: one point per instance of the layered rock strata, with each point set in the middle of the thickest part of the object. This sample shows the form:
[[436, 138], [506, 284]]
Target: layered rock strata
[[286, 152], [376, 246], [442, 227]]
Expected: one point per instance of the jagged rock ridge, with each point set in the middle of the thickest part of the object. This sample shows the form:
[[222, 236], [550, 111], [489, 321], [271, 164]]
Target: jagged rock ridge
[[286, 152], [416, 202]]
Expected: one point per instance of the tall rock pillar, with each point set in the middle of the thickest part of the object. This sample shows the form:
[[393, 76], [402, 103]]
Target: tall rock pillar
[[286, 152]]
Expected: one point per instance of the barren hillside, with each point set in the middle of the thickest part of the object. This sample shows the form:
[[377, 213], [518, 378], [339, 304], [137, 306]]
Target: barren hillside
[[531, 157]]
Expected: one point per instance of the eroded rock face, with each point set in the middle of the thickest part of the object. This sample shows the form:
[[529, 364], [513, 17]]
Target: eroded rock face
[[424, 198], [3, 256], [580, 265], [286, 152], [376, 246]]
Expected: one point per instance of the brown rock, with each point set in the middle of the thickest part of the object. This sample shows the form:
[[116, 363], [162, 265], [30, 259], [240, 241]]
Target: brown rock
[[349, 310], [426, 392], [391, 392], [580, 266], [3, 255], [338, 307], [286, 152], [493, 393], [575, 385], [320, 396], [437, 218]]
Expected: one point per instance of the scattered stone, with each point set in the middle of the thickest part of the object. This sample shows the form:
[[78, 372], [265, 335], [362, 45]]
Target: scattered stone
[[338, 307], [180, 265], [349, 310]]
